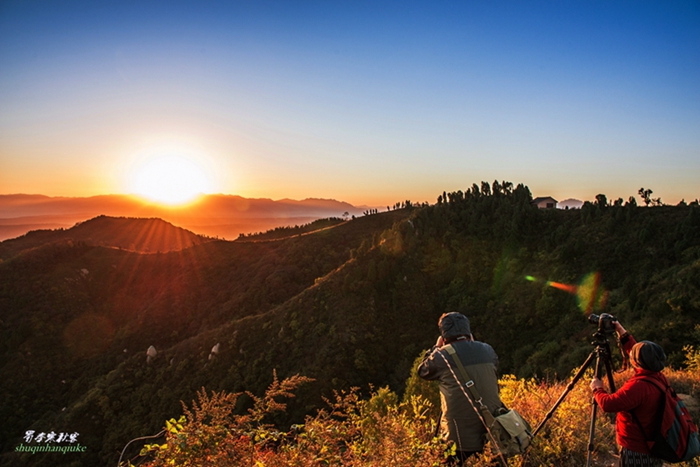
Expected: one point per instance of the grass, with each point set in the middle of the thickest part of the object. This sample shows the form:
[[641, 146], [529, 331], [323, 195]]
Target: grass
[[385, 431]]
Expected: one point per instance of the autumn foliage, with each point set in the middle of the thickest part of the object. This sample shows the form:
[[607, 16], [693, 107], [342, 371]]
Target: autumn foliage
[[384, 430]]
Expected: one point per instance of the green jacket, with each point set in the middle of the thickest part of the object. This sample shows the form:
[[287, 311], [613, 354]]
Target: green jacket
[[459, 422]]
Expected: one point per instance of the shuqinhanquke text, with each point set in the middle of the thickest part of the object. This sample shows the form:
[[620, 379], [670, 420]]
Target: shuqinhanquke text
[[49, 448]]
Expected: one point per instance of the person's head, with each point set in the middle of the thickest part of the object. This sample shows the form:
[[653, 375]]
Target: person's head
[[454, 326], [648, 355]]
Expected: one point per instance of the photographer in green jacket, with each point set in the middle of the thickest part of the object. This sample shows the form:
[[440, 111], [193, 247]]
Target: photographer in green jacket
[[460, 423]]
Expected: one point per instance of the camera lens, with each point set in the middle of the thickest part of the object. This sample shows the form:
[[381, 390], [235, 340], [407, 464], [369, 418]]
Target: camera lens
[[593, 319]]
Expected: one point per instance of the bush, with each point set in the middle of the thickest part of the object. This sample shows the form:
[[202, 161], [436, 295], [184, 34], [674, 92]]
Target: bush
[[385, 431]]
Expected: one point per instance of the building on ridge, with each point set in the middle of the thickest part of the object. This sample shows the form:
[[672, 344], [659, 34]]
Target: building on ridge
[[545, 202]]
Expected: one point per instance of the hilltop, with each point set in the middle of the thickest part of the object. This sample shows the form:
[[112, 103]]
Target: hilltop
[[351, 305], [139, 235]]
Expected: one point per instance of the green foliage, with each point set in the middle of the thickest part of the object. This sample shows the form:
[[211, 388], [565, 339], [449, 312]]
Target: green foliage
[[348, 306]]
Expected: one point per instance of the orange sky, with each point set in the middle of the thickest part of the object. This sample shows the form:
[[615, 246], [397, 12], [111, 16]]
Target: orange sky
[[358, 104]]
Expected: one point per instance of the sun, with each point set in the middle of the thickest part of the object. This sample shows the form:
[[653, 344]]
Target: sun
[[170, 179]]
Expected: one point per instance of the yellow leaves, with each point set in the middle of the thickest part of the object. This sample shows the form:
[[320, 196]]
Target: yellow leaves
[[173, 426], [381, 430], [692, 356], [564, 437]]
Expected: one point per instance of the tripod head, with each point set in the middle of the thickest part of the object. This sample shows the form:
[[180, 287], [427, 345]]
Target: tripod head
[[606, 329], [605, 322]]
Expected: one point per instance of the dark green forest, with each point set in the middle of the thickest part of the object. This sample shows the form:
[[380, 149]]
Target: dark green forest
[[351, 305]]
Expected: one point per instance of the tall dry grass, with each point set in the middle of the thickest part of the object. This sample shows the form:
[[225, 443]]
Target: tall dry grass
[[383, 431]]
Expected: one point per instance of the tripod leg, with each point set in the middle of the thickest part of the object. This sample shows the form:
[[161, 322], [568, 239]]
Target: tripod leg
[[591, 434], [568, 389], [602, 360], [609, 372], [611, 381]]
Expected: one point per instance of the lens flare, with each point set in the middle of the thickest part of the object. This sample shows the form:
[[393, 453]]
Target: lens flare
[[572, 289], [589, 293]]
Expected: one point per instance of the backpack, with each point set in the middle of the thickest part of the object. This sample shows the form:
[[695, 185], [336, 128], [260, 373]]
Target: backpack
[[675, 437], [511, 432]]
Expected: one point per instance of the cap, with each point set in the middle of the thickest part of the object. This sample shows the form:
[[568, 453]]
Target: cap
[[453, 325], [648, 356]]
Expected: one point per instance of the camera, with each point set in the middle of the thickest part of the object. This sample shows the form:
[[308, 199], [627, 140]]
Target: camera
[[604, 321]]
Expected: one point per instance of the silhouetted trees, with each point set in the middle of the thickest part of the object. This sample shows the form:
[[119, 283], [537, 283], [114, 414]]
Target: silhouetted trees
[[645, 194]]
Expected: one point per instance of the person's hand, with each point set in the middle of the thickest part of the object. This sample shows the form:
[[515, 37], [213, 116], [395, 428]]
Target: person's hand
[[596, 383], [620, 330], [440, 342]]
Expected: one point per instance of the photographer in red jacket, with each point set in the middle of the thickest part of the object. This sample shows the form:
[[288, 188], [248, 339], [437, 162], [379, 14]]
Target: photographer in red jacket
[[638, 396]]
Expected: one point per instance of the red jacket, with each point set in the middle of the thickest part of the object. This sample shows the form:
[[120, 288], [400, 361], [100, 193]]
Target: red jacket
[[642, 397]]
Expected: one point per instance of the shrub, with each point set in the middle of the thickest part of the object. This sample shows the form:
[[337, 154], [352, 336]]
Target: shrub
[[383, 431]]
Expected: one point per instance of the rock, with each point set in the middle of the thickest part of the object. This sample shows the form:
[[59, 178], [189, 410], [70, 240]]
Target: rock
[[150, 354]]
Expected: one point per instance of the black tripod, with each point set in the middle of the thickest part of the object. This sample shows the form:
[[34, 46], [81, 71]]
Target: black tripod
[[601, 355]]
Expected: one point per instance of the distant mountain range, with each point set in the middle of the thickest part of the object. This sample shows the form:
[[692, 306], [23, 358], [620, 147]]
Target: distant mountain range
[[224, 216], [570, 203]]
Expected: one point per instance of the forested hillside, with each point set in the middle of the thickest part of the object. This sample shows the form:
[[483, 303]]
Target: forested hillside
[[352, 305]]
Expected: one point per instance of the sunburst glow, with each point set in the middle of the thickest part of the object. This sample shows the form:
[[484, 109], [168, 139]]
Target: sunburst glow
[[170, 180]]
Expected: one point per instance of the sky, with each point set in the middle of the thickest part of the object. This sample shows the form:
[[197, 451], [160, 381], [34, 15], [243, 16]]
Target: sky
[[365, 102]]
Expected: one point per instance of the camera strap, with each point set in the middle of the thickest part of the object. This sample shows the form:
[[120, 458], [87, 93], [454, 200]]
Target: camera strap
[[483, 411], [486, 416]]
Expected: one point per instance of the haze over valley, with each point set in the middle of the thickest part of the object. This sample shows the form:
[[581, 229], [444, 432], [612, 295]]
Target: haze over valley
[[223, 216]]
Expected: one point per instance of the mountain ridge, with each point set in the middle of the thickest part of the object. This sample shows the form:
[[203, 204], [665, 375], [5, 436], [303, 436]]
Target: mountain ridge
[[218, 215], [142, 235], [349, 306]]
